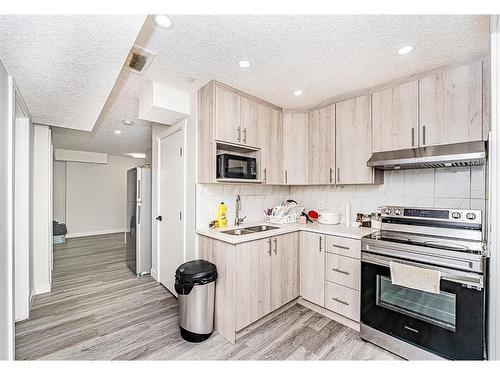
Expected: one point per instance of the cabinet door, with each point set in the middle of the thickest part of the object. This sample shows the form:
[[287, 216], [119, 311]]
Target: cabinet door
[[249, 119], [296, 148], [354, 141], [270, 133], [451, 106], [284, 269], [253, 282], [322, 145], [312, 267], [395, 118], [227, 115]]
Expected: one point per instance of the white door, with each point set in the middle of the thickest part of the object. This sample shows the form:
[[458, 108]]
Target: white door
[[171, 201]]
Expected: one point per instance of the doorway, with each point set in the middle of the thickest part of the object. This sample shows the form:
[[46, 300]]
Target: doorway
[[171, 203]]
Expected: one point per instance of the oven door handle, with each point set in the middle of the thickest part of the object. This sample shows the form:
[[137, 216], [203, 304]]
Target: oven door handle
[[466, 278]]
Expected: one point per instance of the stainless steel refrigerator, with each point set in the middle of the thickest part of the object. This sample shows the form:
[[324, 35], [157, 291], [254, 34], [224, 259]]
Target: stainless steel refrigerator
[[138, 234]]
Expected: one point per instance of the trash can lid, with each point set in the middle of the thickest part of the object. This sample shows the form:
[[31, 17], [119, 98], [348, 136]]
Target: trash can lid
[[196, 271]]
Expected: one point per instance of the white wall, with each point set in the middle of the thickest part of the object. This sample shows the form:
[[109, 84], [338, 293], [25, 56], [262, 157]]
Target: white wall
[[6, 262], [59, 192], [494, 195], [96, 196], [42, 210]]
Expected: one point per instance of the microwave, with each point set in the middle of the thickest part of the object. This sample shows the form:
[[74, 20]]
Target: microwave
[[236, 166]]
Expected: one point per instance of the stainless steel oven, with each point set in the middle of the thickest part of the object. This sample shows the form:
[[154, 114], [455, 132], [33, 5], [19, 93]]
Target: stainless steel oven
[[417, 324], [236, 166]]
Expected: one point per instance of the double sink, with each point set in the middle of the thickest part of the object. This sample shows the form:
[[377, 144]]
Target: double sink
[[249, 230]]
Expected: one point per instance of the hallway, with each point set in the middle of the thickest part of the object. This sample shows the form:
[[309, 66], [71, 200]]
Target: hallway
[[99, 310]]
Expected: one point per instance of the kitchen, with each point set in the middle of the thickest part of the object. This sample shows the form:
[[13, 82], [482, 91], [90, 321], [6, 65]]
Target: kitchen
[[339, 216]]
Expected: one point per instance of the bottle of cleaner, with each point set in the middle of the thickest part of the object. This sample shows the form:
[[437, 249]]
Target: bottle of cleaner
[[222, 215]]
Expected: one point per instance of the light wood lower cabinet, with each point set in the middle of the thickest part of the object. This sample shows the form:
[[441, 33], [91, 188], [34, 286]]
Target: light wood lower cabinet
[[312, 267], [343, 270], [284, 269], [255, 278], [253, 281], [342, 300]]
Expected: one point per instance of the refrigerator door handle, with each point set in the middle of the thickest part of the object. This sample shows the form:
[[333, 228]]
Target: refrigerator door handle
[[138, 215]]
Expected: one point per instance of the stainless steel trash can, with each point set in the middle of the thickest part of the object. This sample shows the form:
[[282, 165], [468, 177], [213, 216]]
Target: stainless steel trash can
[[195, 287]]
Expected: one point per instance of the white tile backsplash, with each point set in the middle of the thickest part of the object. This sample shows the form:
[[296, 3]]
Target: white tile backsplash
[[441, 188], [453, 183]]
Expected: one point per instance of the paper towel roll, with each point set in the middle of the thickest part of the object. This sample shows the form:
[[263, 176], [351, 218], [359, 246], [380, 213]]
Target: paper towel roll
[[347, 214]]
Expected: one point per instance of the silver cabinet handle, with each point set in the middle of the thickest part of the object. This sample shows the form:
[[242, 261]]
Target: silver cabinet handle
[[265, 174], [138, 215], [338, 174], [320, 243], [286, 176], [239, 134], [245, 135], [269, 251], [275, 246], [138, 189], [423, 134], [341, 271], [340, 301], [341, 247], [331, 175], [412, 137]]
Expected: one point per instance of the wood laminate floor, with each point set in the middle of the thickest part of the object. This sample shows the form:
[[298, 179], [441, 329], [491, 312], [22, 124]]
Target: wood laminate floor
[[99, 310]]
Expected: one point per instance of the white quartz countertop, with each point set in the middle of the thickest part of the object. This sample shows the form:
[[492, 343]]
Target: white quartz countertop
[[339, 230]]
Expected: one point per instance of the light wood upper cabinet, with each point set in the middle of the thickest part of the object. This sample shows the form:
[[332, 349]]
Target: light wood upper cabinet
[[284, 269], [227, 115], [249, 121], [322, 145], [253, 281], [395, 118], [296, 148], [451, 106], [312, 267], [270, 139], [354, 141]]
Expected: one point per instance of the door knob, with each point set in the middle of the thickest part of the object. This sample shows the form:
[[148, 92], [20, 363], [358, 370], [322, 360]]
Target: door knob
[[159, 218]]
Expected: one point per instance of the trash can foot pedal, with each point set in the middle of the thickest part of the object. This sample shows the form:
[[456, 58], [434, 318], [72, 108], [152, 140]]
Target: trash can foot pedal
[[194, 337]]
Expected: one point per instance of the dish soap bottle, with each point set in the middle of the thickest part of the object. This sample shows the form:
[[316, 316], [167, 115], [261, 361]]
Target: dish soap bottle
[[222, 215]]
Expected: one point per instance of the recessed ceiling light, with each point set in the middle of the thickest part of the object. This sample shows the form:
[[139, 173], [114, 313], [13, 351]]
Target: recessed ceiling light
[[163, 20], [244, 64], [137, 155], [128, 122], [405, 50], [118, 131], [298, 92]]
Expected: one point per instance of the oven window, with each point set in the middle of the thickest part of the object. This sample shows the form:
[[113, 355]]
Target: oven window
[[238, 167], [437, 309]]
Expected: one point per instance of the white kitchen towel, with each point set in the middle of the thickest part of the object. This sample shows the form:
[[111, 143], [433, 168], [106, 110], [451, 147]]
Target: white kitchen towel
[[415, 277]]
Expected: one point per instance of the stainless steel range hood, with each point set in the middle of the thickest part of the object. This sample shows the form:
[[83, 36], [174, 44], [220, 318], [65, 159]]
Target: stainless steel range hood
[[454, 155]]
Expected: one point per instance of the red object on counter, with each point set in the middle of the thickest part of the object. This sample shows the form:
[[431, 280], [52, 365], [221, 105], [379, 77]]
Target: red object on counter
[[313, 215]]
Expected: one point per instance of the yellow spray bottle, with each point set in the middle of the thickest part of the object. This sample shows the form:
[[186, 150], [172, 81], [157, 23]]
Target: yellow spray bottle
[[222, 215]]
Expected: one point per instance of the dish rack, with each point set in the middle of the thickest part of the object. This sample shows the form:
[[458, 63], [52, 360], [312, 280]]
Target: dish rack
[[289, 218]]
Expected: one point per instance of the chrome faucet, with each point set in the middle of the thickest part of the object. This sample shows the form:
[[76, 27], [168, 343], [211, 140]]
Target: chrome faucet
[[237, 219]]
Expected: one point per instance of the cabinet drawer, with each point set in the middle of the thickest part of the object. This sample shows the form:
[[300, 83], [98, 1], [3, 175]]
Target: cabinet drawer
[[343, 246], [342, 300], [343, 270]]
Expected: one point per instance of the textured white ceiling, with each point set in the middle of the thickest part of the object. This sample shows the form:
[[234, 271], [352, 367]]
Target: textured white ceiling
[[66, 66], [326, 56]]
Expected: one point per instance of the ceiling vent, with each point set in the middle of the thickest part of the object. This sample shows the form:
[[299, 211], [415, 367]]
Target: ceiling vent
[[139, 60]]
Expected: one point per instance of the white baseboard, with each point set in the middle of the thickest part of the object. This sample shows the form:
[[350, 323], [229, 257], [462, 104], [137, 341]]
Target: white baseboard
[[154, 274], [95, 233], [46, 288]]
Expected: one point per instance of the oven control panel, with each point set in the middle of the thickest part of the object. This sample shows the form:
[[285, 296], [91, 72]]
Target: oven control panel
[[450, 215]]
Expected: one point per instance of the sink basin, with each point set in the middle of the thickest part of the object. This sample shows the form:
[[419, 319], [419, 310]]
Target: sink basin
[[237, 232], [261, 228], [249, 230]]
